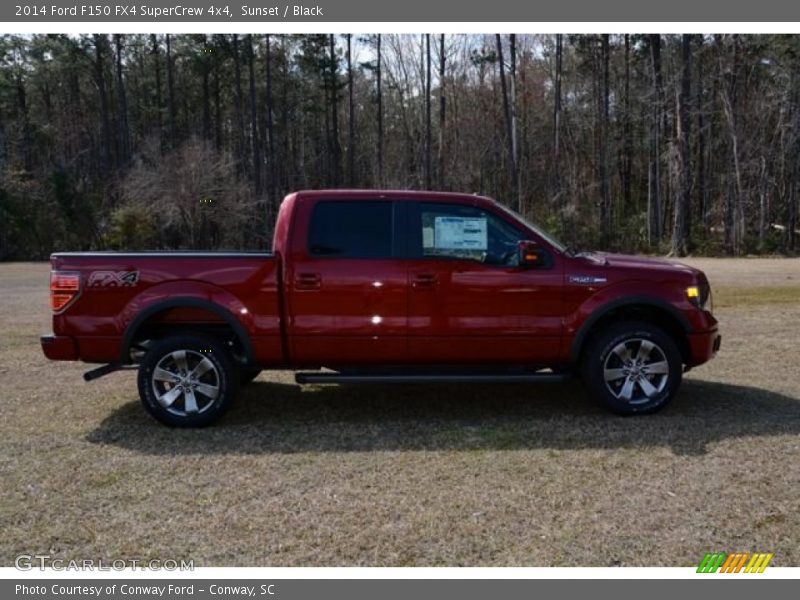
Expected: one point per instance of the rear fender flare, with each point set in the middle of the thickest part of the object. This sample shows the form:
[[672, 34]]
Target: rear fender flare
[[186, 302]]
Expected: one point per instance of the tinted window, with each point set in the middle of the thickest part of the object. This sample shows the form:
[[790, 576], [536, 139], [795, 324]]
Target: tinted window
[[466, 232], [351, 230]]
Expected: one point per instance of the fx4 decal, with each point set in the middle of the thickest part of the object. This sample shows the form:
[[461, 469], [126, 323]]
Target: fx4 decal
[[113, 279]]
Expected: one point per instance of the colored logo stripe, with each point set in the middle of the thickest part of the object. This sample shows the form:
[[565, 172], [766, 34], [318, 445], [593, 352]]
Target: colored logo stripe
[[711, 562], [758, 563], [734, 563]]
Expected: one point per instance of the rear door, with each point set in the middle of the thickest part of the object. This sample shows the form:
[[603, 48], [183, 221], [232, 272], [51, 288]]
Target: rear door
[[347, 283]]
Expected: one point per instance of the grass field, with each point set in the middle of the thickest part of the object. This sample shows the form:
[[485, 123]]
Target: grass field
[[439, 475]]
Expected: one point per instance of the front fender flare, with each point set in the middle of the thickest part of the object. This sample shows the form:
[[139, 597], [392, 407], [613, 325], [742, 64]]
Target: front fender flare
[[619, 302]]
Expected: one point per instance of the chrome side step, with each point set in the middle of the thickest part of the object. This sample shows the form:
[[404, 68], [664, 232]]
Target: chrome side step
[[332, 377]]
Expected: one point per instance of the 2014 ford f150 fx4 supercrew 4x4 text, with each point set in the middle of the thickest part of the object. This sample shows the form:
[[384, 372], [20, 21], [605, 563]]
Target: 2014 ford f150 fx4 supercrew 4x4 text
[[383, 286]]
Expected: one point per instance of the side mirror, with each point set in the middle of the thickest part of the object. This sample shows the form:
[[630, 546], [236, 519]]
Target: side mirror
[[531, 255]]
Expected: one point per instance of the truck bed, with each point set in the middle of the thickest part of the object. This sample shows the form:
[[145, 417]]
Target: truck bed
[[121, 289]]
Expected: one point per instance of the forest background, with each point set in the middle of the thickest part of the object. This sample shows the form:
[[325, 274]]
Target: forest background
[[663, 144]]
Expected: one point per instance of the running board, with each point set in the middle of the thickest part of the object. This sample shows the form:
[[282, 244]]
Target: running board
[[105, 370], [430, 378]]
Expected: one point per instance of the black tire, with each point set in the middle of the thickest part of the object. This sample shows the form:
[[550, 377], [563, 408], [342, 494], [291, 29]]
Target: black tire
[[632, 368], [247, 375], [207, 372]]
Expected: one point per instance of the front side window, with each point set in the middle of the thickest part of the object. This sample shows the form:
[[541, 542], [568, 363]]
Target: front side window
[[466, 232], [351, 229]]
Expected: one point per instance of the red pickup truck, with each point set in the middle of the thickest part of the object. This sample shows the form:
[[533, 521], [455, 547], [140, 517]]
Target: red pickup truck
[[383, 286]]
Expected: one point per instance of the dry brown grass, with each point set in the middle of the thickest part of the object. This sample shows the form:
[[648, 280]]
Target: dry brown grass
[[439, 475]]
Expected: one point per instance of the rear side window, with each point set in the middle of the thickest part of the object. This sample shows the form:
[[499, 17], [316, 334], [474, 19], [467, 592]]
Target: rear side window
[[351, 229]]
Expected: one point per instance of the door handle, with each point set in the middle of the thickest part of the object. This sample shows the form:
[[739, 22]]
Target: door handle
[[308, 281], [424, 281]]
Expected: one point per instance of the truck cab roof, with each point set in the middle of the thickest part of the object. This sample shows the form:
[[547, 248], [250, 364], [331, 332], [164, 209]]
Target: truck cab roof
[[371, 194]]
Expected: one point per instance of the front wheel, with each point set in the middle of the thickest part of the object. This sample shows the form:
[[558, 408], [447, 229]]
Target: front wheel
[[187, 380], [632, 368]]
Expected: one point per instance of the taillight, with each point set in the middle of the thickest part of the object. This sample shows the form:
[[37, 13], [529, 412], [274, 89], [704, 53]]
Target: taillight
[[64, 288]]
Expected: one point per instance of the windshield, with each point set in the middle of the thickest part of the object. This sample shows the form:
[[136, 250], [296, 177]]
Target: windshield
[[541, 232]]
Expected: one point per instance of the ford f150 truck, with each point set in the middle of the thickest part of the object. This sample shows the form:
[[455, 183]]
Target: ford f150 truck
[[383, 286]]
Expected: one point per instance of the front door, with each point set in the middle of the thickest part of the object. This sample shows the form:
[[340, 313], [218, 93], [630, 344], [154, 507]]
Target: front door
[[469, 301]]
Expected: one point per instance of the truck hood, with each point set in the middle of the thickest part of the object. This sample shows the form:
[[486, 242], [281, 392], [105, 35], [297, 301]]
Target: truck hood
[[625, 262]]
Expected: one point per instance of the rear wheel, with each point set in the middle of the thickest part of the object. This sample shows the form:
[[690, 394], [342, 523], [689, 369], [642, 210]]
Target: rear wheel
[[187, 380], [632, 368]]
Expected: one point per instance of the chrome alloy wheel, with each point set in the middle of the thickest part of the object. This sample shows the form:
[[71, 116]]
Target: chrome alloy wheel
[[185, 382], [636, 370]]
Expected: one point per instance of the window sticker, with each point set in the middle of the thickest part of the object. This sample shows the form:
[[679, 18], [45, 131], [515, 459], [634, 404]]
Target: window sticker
[[460, 233]]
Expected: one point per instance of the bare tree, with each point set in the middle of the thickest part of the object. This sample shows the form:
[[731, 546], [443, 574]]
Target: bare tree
[[510, 135], [269, 118], [217, 103], [442, 109], [654, 174], [556, 193], [336, 148], [100, 43], [201, 202], [239, 101], [626, 167], [157, 99], [173, 136], [254, 141], [792, 144], [702, 177], [605, 190], [123, 133], [680, 232], [379, 99], [516, 196], [428, 133], [351, 116], [734, 225], [205, 66]]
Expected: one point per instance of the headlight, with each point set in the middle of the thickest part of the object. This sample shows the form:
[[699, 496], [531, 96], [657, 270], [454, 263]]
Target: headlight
[[700, 296]]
